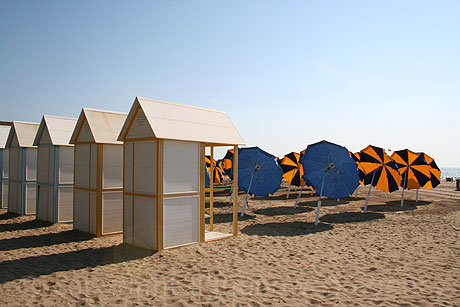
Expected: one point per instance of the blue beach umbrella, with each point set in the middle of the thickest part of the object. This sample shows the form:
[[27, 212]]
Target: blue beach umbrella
[[258, 173], [207, 178], [329, 168]]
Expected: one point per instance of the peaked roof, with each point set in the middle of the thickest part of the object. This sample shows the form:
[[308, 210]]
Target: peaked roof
[[104, 125], [181, 122], [59, 128], [25, 132], [4, 132]]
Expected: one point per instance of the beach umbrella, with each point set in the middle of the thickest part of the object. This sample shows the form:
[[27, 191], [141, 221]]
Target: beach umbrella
[[293, 172], [380, 170], [258, 173], [207, 178], [435, 173], [413, 168], [355, 156], [329, 169], [227, 163], [218, 172]]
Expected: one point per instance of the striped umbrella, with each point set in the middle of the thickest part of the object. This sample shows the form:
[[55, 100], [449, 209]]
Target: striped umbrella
[[380, 170], [218, 172], [413, 168], [292, 169], [228, 162], [356, 157], [435, 173]]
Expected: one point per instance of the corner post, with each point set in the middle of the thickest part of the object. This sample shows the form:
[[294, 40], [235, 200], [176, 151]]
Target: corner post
[[202, 192], [235, 190]]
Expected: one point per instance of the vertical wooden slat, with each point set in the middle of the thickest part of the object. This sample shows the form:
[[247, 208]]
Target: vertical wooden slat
[[211, 191], [235, 191], [160, 235], [99, 190], [202, 192]]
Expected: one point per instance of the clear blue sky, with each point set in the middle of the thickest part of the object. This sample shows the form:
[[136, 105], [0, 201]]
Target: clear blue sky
[[288, 73]]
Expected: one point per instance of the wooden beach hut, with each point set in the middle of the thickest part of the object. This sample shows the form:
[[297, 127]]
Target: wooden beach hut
[[164, 172], [55, 169], [98, 172], [4, 131], [22, 183]]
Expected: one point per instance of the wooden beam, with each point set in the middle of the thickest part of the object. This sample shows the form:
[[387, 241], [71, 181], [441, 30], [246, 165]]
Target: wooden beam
[[99, 184], [235, 190], [202, 192]]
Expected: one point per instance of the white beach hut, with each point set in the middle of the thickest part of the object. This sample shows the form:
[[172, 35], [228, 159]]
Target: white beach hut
[[164, 172], [22, 183], [98, 172], [55, 169], [4, 132]]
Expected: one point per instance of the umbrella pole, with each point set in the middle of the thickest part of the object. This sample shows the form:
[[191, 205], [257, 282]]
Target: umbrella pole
[[246, 200], [369, 193], [356, 193], [298, 197], [319, 201], [416, 196], [289, 190], [404, 185], [231, 195]]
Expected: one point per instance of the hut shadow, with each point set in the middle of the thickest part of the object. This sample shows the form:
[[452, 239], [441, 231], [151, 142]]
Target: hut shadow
[[351, 217], [7, 216], [228, 218], [219, 204], [274, 211], [287, 229], [293, 195], [44, 240], [33, 224], [395, 206], [326, 202], [75, 260]]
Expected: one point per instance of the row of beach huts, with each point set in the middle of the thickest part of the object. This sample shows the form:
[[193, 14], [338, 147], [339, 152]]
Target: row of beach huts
[[141, 174]]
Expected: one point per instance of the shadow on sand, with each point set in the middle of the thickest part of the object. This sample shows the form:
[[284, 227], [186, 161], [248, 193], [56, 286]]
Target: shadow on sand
[[24, 226], [274, 211], [288, 229], [7, 216], [351, 217], [228, 218], [44, 240], [395, 206], [292, 195], [75, 260], [219, 204]]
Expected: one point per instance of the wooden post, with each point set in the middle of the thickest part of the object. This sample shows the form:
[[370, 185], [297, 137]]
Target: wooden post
[[211, 190], [99, 188], [235, 190], [160, 237], [202, 192]]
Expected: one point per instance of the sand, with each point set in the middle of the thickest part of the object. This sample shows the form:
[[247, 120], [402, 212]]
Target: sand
[[388, 257]]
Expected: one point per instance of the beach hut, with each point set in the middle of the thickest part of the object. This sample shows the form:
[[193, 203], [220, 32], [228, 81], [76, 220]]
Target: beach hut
[[4, 131], [55, 169], [22, 182], [98, 172], [164, 172]]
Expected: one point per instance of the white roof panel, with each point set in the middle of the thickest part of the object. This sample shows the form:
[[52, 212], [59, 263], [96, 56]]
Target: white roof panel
[[4, 132], [181, 122], [59, 128], [25, 133]]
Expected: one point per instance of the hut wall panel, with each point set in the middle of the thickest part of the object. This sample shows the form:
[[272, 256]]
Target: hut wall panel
[[12, 197], [181, 166], [128, 173], [92, 212], [85, 133], [112, 212], [31, 164], [31, 198], [145, 167], [82, 165], [140, 127], [112, 174], [66, 155], [51, 197], [44, 165], [81, 218], [4, 194], [94, 166], [128, 219], [145, 231], [14, 167], [180, 220], [42, 204], [5, 162], [65, 212]]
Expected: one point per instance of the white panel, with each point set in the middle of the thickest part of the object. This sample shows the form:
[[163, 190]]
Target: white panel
[[31, 198], [94, 166], [128, 171], [43, 164], [140, 127], [65, 207], [85, 133], [112, 212], [51, 165], [14, 163], [181, 166], [145, 167], [12, 197], [66, 164], [4, 194], [128, 220], [82, 165], [51, 197], [145, 229], [93, 213], [5, 162], [81, 218], [31, 164], [180, 220], [42, 203], [112, 171]]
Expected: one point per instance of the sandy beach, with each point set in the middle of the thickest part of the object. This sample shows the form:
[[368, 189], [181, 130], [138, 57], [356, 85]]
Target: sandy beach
[[388, 257]]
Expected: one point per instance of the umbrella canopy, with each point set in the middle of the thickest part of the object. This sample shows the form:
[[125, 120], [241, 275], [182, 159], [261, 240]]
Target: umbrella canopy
[[413, 168], [227, 163], [435, 173], [292, 169], [207, 178], [380, 169], [355, 156], [218, 172], [329, 168]]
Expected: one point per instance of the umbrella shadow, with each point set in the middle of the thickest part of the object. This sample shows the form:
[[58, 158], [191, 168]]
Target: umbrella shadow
[[228, 218], [351, 217], [395, 206], [44, 240], [33, 224], [324, 203], [75, 260], [274, 211], [8, 215], [219, 204], [292, 195], [288, 229]]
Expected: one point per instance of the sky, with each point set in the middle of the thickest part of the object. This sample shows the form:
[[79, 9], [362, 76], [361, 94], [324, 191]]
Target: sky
[[288, 73]]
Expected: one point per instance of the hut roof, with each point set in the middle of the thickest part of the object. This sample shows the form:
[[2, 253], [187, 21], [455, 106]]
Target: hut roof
[[4, 132], [25, 133], [59, 129]]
